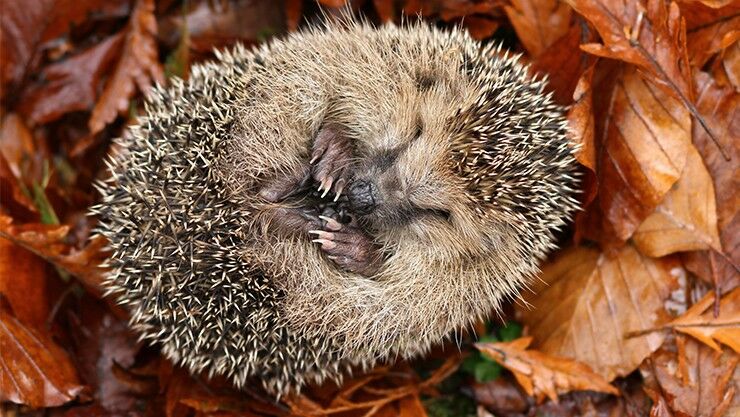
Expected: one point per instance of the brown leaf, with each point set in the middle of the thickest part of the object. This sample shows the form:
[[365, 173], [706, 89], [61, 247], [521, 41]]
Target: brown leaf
[[23, 278], [728, 69], [720, 105], [641, 151], [33, 369], [222, 24], [660, 406], [651, 36], [699, 321], [587, 301], [501, 396], [27, 26], [411, 406], [47, 241], [543, 375], [686, 220], [709, 30], [138, 67], [103, 345], [564, 63], [707, 388], [539, 23], [70, 85], [480, 27]]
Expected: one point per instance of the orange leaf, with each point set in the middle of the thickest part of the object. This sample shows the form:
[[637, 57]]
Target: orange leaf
[[411, 406], [33, 369], [651, 36], [686, 219], [138, 66], [720, 108], [699, 321], [47, 241], [642, 149], [539, 23], [587, 301], [544, 375], [709, 30], [705, 386]]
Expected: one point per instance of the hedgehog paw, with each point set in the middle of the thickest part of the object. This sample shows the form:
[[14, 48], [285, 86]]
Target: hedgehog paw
[[348, 247], [288, 220], [278, 189], [331, 158]]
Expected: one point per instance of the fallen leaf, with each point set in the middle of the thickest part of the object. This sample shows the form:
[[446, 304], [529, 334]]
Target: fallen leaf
[[707, 388], [686, 219], [103, 345], [651, 36], [411, 406], [660, 406], [584, 303], [728, 69], [219, 25], [138, 67], [33, 369], [22, 278], [709, 30], [543, 375], [69, 85], [699, 321], [539, 23], [47, 241], [27, 26], [720, 105], [642, 146], [501, 396], [480, 27]]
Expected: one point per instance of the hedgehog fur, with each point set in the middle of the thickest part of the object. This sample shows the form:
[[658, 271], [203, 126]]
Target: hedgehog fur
[[463, 153]]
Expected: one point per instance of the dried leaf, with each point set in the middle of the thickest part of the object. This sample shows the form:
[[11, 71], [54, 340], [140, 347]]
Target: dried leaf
[[699, 321], [411, 406], [23, 278], [641, 152], [221, 25], [138, 67], [501, 395], [720, 105], [651, 36], [70, 85], [103, 345], [544, 375], [728, 69], [47, 241], [27, 26], [480, 27], [539, 23], [565, 64], [660, 407], [33, 369], [686, 219], [709, 30], [587, 301], [708, 387]]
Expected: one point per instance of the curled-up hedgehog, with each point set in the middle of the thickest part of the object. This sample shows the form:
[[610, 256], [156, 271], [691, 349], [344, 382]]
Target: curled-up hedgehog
[[345, 196]]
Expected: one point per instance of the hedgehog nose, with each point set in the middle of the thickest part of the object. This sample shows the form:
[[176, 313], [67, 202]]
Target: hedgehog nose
[[361, 196]]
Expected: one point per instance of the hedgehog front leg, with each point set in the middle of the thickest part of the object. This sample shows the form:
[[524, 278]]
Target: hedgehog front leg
[[349, 247], [331, 157]]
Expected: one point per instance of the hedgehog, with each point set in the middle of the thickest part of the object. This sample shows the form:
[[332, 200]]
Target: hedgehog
[[345, 196]]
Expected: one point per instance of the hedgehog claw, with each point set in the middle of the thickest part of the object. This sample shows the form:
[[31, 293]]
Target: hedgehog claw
[[349, 248], [331, 224], [331, 158]]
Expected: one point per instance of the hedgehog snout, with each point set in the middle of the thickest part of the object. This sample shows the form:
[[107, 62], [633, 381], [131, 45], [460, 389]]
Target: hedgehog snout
[[362, 197]]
